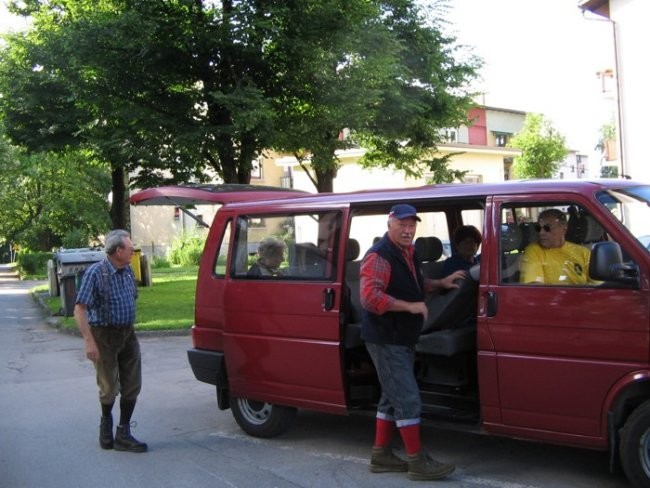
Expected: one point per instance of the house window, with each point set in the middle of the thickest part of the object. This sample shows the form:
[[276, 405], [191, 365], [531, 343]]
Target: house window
[[472, 179], [256, 171], [501, 139], [257, 222], [450, 135]]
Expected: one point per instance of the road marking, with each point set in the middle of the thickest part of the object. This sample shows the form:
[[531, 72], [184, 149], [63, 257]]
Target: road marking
[[474, 480]]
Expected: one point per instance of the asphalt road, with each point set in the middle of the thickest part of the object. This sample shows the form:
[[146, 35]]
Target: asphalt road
[[49, 417]]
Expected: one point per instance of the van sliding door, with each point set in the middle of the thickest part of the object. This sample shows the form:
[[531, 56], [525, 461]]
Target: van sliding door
[[282, 316]]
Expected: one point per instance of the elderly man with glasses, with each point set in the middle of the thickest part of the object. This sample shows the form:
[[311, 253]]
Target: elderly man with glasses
[[552, 260], [105, 313]]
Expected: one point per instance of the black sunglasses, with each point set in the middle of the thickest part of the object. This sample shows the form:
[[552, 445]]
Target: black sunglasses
[[538, 228]]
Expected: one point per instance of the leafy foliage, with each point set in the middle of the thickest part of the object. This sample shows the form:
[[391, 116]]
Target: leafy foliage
[[181, 90], [33, 264], [47, 198], [187, 250], [543, 148]]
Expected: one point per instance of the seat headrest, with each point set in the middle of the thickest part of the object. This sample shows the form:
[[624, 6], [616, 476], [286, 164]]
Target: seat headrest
[[511, 237], [428, 248], [582, 228], [352, 250]]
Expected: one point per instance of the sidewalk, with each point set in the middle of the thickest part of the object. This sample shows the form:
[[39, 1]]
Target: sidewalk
[[9, 277], [10, 283]]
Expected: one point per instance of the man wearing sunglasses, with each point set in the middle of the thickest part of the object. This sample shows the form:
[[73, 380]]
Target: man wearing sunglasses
[[552, 260]]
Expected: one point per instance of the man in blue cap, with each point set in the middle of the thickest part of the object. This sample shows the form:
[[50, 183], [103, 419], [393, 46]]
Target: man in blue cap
[[392, 296]]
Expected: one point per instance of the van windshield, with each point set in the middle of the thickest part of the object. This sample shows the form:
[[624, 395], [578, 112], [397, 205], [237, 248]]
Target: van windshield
[[631, 206]]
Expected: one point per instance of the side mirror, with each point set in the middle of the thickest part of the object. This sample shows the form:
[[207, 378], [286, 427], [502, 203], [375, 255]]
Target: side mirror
[[606, 264]]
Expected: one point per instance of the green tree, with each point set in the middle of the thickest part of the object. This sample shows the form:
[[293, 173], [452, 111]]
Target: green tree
[[543, 148], [160, 90], [46, 197], [167, 90], [380, 71]]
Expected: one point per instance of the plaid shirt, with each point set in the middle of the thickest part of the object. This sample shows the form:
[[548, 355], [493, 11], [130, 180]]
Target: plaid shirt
[[122, 293], [375, 276]]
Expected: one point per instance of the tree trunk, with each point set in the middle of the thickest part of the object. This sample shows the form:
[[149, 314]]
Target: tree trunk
[[119, 207]]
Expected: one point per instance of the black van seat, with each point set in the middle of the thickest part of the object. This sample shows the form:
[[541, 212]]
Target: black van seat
[[352, 336], [452, 308], [448, 342], [450, 327], [429, 251]]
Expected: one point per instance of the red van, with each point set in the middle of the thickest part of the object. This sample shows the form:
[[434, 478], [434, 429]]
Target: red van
[[563, 364]]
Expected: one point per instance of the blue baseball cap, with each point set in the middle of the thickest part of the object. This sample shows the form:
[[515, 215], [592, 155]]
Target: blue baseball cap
[[403, 211]]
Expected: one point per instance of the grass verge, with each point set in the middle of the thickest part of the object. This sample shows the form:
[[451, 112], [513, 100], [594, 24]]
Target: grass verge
[[167, 305]]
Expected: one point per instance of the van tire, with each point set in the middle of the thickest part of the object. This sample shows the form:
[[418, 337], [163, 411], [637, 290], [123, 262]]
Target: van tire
[[261, 419], [635, 446]]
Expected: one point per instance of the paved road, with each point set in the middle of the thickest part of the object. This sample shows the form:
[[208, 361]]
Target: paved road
[[49, 417]]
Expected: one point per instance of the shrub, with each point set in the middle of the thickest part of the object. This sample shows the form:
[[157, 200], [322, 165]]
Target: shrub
[[159, 263], [33, 263], [187, 250]]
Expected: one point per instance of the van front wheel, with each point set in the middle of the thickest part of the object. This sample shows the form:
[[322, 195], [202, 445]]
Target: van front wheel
[[261, 419], [635, 446]]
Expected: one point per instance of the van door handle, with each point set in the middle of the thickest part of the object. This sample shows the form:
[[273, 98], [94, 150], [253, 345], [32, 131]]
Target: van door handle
[[328, 298], [491, 304]]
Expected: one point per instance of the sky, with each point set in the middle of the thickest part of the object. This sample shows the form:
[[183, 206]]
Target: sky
[[539, 56]]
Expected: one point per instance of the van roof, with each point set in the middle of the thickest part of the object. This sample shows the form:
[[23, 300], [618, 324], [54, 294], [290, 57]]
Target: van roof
[[236, 196], [201, 194]]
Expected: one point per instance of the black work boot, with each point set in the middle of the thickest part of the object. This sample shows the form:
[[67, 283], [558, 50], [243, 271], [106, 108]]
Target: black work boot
[[124, 441], [106, 432]]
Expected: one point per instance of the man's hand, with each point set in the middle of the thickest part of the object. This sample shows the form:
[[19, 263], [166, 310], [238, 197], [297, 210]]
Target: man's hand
[[448, 281], [419, 307], [92, 352]]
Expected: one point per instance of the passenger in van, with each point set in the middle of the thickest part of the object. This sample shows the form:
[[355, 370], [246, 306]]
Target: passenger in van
[[392, 296], [270, 255], [467, 240], [553, 260]]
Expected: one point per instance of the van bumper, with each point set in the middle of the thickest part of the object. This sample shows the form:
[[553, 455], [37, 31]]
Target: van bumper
[[210, 367]]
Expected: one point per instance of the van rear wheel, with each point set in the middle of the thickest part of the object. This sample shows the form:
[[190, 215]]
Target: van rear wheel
[[261, 419], [635, 446]]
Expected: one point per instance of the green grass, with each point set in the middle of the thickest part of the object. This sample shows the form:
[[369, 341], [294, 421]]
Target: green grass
[[167, 305]]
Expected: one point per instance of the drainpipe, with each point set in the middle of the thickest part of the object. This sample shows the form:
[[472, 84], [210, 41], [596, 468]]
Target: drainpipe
[[619, 115]]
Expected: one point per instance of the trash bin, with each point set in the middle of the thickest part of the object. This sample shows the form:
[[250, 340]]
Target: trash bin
[[71, 265], [135, 265], [68, 293]]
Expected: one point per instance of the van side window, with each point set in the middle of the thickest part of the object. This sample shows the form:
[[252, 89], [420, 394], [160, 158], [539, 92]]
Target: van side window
[[288, 246], [222, 257], [548, 244]]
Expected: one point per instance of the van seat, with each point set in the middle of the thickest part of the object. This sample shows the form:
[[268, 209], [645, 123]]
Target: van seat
[[450, 328], [448, 342], [429, 251], [352, 336]]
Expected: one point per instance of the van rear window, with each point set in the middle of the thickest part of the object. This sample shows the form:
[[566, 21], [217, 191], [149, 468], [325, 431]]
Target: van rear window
[[296, 246]]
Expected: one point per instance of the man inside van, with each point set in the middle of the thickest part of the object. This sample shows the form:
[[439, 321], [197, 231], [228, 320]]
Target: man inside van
[[392, 296], [552, 260]]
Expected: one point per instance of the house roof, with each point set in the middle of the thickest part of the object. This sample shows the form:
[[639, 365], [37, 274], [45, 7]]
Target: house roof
[[600, 7]]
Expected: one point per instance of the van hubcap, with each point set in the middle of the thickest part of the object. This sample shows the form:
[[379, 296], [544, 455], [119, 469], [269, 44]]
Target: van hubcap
[[254, 412], [644, 452]]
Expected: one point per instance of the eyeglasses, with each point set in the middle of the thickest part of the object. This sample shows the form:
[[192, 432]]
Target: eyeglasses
[[129, 249], [546, 227]]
